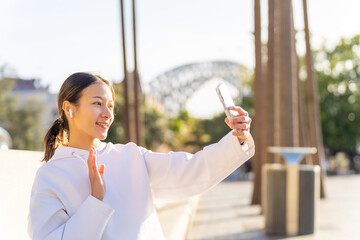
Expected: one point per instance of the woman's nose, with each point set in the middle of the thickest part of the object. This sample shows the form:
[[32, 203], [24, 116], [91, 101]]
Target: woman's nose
[[108, 113]]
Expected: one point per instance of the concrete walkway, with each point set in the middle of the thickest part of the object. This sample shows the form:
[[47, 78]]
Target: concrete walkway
[[224, 213]]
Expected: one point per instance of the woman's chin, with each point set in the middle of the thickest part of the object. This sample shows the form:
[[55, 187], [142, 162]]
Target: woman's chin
[[102, 136]]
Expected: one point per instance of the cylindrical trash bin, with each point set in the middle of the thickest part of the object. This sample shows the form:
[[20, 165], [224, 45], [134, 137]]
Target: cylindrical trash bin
[[290, 195]]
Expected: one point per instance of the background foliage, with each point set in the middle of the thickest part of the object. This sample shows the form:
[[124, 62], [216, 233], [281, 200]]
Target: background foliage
[[338, 74]]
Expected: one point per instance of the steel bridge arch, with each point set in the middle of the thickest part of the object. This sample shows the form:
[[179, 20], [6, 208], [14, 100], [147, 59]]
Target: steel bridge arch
[[174, 87]]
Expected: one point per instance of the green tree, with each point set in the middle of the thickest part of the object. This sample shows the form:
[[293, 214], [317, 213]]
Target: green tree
[[25, 127], [216, 127], [338, 74], [156, 128], [186, 133], [6, 102], [22, 122]]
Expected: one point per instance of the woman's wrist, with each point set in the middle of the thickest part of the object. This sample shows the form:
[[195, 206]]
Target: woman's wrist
[[241, 141], [98, 196]]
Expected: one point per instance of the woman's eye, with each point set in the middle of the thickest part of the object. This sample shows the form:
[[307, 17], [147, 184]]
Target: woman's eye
[[98, 103]]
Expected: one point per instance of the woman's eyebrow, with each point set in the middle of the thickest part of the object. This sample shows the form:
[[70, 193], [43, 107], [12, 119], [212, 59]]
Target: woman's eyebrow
[[101, 98]]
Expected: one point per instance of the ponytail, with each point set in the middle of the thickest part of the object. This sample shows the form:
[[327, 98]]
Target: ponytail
[[54, 137]]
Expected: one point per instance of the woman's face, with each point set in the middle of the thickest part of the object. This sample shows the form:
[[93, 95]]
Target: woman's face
[[94, 113]]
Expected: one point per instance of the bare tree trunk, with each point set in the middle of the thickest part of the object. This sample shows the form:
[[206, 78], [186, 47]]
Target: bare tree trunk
[[258, 98], [126, 119], [288, 119], [140, 140], [313, 105], [269, 86]]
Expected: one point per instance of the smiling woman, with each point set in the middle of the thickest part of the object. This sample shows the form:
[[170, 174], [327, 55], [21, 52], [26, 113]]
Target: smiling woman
[[91, 115], [69, 199], [83, 97]]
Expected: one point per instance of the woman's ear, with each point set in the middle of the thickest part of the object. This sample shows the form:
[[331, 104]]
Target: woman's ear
[[68, 108]]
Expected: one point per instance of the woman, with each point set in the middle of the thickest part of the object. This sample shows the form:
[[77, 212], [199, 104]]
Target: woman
[[75, 197]]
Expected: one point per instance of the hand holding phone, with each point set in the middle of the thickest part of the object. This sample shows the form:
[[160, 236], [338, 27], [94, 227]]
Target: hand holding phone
[[237, 119], [226, 100]]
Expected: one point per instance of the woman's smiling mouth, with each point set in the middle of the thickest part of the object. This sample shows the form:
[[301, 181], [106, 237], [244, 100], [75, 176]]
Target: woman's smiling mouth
[[103, 125]]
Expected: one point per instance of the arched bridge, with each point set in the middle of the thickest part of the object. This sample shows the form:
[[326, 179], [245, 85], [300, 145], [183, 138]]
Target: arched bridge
[[173, 88]]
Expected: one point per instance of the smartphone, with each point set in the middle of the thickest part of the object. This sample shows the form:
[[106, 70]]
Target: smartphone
[[226, 100]]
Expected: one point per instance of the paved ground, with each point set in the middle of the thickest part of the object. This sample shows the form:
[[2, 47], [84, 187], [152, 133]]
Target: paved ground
[[224, 213]]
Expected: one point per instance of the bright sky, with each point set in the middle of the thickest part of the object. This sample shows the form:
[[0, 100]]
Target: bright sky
[[49, 40]]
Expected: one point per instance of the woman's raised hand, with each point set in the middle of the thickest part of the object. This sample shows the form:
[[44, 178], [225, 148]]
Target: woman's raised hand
[[240, 123], [96, 176]]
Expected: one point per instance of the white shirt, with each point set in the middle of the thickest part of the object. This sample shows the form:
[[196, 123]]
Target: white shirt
[[62, 206]]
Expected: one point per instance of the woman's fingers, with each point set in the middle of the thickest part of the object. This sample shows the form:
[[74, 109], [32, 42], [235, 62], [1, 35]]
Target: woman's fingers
[[241, 129], [96, 175], [92, 163], [240, 123], [243, 126], [240, 110], [101, 170], [92, 160], [227, 121], [241, 135], [242, 119]]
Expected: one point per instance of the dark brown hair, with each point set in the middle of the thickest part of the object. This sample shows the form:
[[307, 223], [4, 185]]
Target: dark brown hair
[[71, 90]]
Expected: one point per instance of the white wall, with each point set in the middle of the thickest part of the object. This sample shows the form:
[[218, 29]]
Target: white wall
[[18, 169]]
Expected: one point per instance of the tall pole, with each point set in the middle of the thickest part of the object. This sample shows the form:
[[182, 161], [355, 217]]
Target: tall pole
[[126, 76], [269, 85], [276, 82], [313, 104], [137, 90], [258, 99]]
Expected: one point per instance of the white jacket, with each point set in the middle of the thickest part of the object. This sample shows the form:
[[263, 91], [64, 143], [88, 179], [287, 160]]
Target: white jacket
[[62, 206]]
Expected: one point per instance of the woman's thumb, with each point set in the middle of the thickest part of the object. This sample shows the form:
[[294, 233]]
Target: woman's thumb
[[102, 169]]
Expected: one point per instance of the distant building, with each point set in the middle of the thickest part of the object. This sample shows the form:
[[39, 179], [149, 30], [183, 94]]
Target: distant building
[[31, 89]]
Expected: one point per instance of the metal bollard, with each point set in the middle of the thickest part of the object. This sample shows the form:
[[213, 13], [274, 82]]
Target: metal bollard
[[290, 195]]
